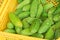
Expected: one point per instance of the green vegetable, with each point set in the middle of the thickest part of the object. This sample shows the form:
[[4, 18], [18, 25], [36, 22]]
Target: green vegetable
[[19, 1], [57, 33], [15, 20], [36, 18], [34, 8], [43, 1], [38, 35], [50, 33], [39, 1], [57, 11], [18, 30], [10, 25], [35, 25], [10, 31], [30, 19], [23, 15], [26, 8], [50, 12], [57, 25], [40, 10], [26, 32], [56, 17], [48, 6], [57, 0], [23, 3], [45, 14], [25, 24], [45, 26], [18, 11]]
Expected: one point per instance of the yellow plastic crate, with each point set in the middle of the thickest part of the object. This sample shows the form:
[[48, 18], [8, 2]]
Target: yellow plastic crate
[[5, 9], [2, 5], [18, 37], [9, 6]]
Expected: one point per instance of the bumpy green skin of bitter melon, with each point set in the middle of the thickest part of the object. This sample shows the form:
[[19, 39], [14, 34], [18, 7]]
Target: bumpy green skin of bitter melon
[[39, 12], [10, 31], [26, 32], [35, 26], [50, 34], [48, 6], [16, 21], [23, 15], [38, 35], [25, 24], [34, 8], [45, 26], [56, 18], [22, 4], [10, 25], [26, 7], [57, 33]]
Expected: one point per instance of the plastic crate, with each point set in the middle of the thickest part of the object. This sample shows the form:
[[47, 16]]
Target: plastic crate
[[2, 5], [17, 37], [4, 19], [5, 9]]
